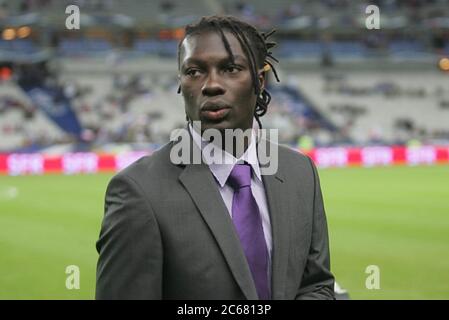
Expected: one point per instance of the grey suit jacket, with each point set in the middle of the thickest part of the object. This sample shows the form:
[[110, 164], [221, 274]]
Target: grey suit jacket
[[166, 234]]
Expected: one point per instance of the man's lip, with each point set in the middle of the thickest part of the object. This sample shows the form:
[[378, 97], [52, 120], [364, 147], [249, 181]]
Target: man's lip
[[210, 106], [215, 115]]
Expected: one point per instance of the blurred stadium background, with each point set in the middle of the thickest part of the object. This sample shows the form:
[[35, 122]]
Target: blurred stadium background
[[371, 107]]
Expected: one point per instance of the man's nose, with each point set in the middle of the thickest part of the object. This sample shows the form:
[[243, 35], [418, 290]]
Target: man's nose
[[213, 86]]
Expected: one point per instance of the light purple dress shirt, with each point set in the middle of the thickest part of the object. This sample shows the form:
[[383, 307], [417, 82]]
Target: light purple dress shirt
[[221, 173]]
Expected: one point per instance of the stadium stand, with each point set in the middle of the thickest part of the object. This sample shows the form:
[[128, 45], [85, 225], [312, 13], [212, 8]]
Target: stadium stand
[[385, 98], [340, 84]]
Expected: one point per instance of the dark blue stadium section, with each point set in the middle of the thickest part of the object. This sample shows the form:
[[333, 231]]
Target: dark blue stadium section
[[300, 106], [163, 48], [76, 47], [20, 45]]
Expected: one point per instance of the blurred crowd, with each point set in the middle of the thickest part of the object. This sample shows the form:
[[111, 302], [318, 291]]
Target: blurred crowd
[[108, 115]]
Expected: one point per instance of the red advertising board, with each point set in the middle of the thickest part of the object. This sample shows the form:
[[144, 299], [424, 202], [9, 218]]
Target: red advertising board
[[89, 162]]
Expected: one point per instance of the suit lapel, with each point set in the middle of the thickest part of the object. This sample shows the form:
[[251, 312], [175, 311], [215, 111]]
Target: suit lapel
[[200, 184], [277, 199]]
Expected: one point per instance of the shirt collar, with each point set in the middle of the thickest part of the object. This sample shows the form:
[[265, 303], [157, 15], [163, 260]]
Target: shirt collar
[[221, 172]]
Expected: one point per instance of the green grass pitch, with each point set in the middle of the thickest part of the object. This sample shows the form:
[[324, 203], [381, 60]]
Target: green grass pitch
[[396, 218]]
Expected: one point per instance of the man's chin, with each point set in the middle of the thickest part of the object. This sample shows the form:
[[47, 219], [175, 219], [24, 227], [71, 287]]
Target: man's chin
[[220, 125]]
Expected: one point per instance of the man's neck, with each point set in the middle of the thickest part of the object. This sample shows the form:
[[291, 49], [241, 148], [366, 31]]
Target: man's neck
[[234, 142]]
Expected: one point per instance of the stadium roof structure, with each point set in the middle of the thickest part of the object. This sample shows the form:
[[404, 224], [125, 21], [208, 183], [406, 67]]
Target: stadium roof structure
[[20, 20]]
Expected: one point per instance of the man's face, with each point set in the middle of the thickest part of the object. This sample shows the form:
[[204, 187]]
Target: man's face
[[216, 91]]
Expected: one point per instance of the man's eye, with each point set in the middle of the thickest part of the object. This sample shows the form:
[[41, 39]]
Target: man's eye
[[232, 69], [192, 72]]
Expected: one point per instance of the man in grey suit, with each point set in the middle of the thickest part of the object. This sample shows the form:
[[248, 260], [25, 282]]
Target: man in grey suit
[[209, 230]]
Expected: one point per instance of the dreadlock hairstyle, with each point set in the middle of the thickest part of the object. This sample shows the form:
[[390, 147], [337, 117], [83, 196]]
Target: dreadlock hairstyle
[[254, 44]]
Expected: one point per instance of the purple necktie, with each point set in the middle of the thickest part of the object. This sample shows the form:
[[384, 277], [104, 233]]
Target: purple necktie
[[248, 223]]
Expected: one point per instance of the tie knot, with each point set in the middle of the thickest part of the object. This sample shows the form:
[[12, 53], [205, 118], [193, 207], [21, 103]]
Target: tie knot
[[240, 176]]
